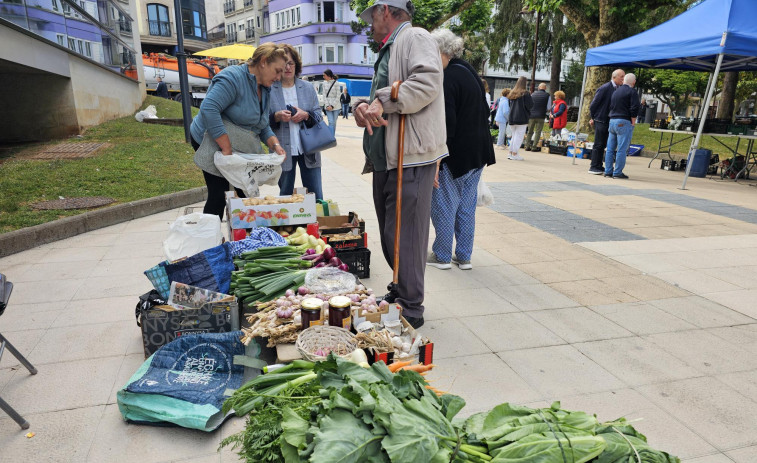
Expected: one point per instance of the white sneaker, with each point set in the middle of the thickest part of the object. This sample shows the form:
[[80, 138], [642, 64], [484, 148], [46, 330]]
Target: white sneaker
[[462, 264], [515, 157], [434, 262]]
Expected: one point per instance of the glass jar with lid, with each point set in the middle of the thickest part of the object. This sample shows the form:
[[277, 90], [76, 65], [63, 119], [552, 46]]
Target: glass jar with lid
[[340, 312]]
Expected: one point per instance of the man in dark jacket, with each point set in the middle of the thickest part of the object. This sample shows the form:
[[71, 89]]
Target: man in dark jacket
[[600, 120], [624, 108], [162, 89], [536, 117]]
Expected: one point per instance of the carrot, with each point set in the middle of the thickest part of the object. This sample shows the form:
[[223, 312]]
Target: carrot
[[398, 365], [419, 368]]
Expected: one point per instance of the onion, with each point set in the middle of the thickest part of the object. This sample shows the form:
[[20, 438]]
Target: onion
[[344, 268], [289, 293], [310, 252], [302, 291], [383, 304], [334, 262], [329, 253], [320, 264]]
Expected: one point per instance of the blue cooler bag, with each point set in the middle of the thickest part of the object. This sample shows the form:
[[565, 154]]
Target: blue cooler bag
[[184, 382]]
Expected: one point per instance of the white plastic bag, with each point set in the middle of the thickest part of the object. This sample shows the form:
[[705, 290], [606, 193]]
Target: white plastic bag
[[485, 197], [192, 233], [148, 113], [248, 171]]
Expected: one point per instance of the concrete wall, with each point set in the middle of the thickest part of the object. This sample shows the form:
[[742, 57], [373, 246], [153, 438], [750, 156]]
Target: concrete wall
[[49, 93]]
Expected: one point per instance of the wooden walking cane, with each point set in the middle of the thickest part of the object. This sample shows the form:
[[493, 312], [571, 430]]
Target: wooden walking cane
[[398, 209]]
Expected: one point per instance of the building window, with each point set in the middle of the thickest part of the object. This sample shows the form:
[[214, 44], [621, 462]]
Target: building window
[[61, 39], [320, 53], [329, 53], [157, 19], [328, 12], [298, 16], [88, 49], [193, 23], [72, 44], [81, 46], [318, 17], [55, 5], [258, 22], [339, 17], [340, 54], [277, 22]]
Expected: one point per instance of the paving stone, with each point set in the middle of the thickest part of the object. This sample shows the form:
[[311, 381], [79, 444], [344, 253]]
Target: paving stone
[[82, 342], [744, 336], [579, 324], [465, 342], [704, 351], [701, 312], [39, 292], [722, 417], [742, 301], [713, 458], [63, 385], [59, 436], [24, 342], [502, 276], [744, 455], [511, 331], [116, 441], [96, 311], [552, 371], [642, 318], [485, 380], [745, 382], [536, 297], [467, 303], [45, 272]]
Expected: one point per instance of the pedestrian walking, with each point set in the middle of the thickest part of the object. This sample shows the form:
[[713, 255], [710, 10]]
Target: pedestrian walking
[[600, 112], [345, 99], [331, 98], [536, 117], [403, 56], [520, 109], [453, 204], [624, 109]]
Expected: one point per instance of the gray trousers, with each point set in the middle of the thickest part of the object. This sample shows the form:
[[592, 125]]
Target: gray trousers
[[417, 186]]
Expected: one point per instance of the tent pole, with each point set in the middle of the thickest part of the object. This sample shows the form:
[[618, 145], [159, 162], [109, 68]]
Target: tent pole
[[701, 107], [710, 92], [580, 107]]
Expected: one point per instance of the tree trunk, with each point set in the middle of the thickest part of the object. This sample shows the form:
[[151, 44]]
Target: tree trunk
[[554, 75], [727, 97]]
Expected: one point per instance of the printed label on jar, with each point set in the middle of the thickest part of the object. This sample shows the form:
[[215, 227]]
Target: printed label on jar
[[347, 323]]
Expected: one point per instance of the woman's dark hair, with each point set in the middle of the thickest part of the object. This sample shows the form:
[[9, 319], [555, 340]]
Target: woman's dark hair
[[295, 57], [330, 74]]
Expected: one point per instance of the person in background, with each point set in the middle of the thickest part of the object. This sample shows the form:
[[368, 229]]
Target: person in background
[[453, 204], [292, 92], [405, 55], [600, 110], [162, 89], [489, 104], [558, 115], [503, 109], [241, 95], [624, 108], [331, 103], [536, 117], [642, 112], [345, 99], [520, 109]]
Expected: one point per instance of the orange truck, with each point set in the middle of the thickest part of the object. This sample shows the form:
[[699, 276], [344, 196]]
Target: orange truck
[[200, 72]]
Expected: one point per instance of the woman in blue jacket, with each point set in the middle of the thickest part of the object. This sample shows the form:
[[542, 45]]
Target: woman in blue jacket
[[503, 109], [240, 96]]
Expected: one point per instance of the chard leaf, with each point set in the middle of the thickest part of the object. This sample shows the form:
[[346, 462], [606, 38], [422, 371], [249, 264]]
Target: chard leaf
[[343, 438], [289, 452], [451, 405], [294, 429], [545, 449], [620, 449]]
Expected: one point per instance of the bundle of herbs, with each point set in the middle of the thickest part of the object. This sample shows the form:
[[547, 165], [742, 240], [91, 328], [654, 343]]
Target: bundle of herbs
[[339, 411]]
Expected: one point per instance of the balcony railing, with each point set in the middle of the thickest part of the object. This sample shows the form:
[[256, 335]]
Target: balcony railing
[[231, 38], [213, 36], [159, 28], [124, 25], [249, 33], [229, 6], [248, 3]]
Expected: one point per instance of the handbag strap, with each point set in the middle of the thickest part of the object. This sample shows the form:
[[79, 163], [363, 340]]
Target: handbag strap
[[332, 86]]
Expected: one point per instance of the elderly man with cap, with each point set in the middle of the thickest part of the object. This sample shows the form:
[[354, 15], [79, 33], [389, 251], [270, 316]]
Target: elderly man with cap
[[405, 55]]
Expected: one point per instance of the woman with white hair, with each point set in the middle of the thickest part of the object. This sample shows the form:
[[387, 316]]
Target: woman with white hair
[[453, 203]]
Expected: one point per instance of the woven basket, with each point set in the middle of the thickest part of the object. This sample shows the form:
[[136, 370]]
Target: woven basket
[[339, 340]]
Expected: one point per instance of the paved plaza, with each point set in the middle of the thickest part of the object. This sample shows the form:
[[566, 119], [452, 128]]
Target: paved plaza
[[623, 298]]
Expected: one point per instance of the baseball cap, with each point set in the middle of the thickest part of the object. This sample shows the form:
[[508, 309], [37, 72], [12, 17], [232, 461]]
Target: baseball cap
[[406, 5]]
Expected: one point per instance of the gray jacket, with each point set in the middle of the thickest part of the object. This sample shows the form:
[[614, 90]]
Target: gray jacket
[[307, 100]]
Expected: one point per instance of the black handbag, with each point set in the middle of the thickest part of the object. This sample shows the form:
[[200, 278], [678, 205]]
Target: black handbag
[[318, 137]]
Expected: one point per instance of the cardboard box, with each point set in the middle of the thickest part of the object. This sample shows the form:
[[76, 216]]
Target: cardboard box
[[425, 351], [360, 241], [335, 224], [393, 312], [242, 216], [191, 310]]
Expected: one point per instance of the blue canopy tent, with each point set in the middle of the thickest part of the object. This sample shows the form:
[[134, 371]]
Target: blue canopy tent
[[714, 36]]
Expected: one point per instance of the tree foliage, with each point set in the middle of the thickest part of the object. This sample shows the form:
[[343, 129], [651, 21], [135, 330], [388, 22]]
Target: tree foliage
[[674, 88]]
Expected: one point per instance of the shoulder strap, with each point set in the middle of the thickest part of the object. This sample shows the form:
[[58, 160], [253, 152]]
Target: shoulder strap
[[332, 86]]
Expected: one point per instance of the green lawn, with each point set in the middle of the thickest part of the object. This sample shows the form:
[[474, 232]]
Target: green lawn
[[143, 161]]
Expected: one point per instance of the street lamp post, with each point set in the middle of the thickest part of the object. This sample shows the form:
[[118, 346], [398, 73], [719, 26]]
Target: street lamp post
[[533, 61], [181, 58]]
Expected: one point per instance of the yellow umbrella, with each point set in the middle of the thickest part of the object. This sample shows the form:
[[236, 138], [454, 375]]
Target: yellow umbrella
[[238, 51]]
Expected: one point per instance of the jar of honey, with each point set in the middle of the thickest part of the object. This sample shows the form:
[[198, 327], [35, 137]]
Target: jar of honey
[[340, 312], [310, 312]]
